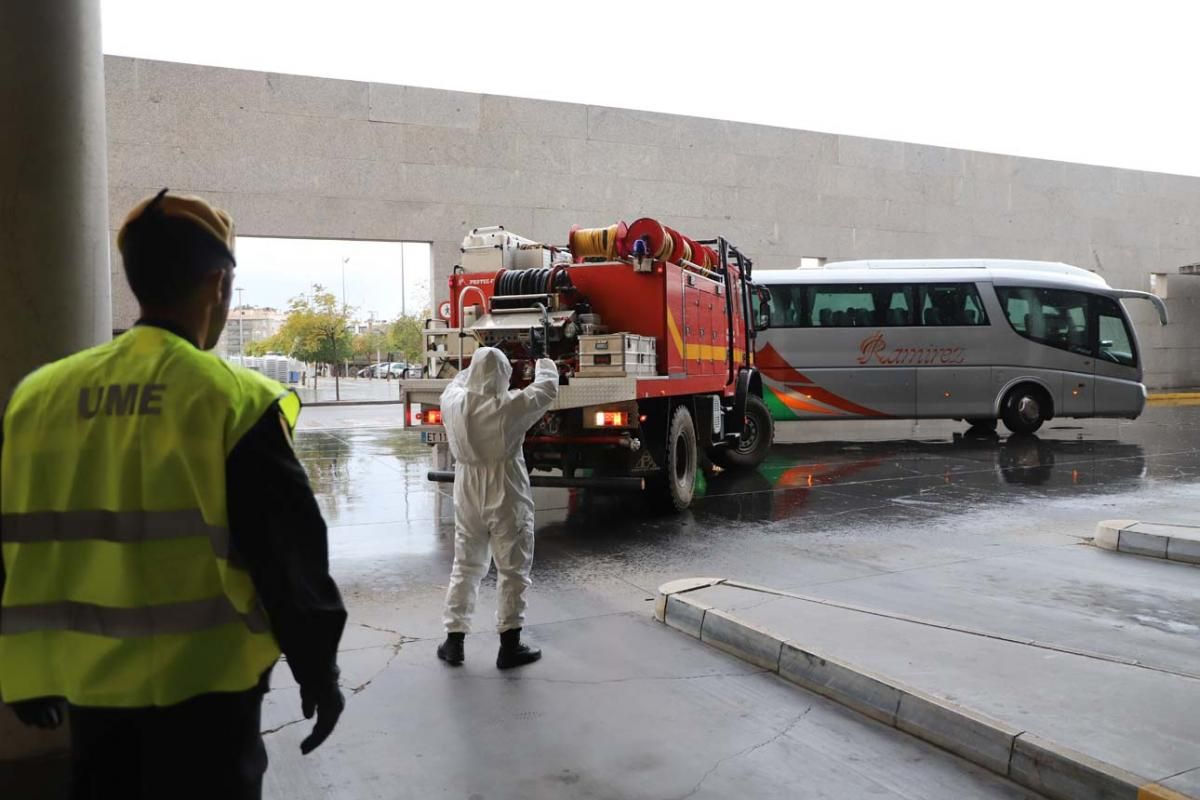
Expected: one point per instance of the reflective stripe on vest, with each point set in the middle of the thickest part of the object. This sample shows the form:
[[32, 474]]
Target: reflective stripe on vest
[[128, 623], [123, 587], [113, 526]]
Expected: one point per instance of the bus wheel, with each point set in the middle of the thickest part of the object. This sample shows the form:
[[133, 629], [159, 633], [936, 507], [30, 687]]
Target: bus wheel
[[676, 484], [1025, 408], [982, 424], [755, 441]]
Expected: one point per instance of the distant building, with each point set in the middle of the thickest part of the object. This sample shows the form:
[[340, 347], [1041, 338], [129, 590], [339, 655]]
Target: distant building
[[248, 324], [359, 327]]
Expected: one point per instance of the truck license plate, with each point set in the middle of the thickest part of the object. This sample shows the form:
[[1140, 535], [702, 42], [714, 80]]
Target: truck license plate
[[433, 437]]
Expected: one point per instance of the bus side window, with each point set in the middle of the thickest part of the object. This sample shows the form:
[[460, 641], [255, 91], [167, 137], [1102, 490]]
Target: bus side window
[[951, 304], [973, 312], [1017, 311], [892, 306], [824, 306], [1054, 317], [847, 306], [786, 307]]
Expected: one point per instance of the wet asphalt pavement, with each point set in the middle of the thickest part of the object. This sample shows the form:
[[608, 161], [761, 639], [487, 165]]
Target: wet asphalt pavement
[[984, 533], [844, 499]]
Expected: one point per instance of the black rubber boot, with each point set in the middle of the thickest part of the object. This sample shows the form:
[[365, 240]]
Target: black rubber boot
[[451, 650], [513, 653]]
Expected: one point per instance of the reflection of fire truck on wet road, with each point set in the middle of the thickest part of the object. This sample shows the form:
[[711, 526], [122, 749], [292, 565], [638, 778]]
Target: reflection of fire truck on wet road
[[653, 337]]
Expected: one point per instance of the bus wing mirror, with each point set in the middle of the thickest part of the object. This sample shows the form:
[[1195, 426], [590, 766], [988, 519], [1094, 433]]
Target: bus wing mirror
[[763, 322], [1159, 304]]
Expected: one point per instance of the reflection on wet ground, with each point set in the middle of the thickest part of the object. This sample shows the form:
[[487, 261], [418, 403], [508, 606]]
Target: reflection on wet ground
[[388, 522], [988, 468]]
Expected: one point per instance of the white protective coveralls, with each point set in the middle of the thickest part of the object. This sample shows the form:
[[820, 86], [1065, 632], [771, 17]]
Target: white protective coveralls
[[486, 423]]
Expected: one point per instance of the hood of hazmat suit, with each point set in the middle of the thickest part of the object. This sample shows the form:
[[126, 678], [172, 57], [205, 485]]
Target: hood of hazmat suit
[[486, 423]]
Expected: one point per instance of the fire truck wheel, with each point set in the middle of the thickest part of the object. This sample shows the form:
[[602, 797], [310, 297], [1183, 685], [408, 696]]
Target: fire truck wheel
[[677, 483], [755, 440]]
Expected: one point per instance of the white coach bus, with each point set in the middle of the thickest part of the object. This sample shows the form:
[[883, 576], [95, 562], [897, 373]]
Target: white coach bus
[[971, 339]]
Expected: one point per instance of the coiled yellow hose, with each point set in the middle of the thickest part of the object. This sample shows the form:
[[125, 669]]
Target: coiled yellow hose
[[597, 242]]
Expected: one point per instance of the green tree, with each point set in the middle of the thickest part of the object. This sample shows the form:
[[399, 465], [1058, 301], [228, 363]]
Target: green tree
[[371, 346], [405, 338], [261, 347], [316, 330]]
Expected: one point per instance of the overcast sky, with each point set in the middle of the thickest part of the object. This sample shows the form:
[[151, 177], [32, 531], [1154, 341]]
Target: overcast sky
[[1098, 82], [273, 271]]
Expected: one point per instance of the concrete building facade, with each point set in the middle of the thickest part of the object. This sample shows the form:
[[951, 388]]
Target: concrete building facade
[[309, 157]]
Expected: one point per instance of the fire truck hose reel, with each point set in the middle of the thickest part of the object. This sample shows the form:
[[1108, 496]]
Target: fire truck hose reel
[[651, 238], [511, 282], [607, 243]]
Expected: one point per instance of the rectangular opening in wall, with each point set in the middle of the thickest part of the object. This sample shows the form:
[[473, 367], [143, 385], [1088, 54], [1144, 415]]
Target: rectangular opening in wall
[[789, 262], [337, 319]]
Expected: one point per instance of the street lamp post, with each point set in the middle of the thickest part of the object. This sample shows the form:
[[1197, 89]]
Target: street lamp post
[[337, 387], [241, 327], [378, 355], [344, 260]]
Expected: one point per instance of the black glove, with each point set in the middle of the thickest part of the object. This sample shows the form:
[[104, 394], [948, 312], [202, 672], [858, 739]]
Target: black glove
[[537, 342], [328, 703], [46, 713]]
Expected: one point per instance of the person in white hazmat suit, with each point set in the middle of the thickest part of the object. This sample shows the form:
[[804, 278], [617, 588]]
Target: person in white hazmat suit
[[485, 424]]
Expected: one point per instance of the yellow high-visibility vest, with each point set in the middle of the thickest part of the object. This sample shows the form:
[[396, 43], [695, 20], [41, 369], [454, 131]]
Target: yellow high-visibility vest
[[122, 589]]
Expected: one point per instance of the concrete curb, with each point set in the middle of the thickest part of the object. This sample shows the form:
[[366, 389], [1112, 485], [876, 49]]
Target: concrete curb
[[1035, 763], [328, 403], [1154, 540], [1173, 397]]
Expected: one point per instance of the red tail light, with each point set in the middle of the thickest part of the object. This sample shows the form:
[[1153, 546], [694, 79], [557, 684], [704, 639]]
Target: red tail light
[[611, 419], [419, 416]]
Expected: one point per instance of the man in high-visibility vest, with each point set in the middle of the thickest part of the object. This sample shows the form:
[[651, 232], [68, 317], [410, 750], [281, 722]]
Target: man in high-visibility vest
[[161, 543]]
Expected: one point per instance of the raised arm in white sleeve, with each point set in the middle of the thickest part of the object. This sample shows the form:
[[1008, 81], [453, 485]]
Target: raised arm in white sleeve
[[530, 403]]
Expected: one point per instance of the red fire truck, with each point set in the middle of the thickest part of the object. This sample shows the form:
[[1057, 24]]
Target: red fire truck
[[652, 333]]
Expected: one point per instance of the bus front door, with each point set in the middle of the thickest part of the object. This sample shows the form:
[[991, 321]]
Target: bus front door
[[1079, 388]]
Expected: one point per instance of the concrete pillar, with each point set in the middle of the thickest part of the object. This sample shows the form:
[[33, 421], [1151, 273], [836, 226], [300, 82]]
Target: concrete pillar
[[53, 185], [443, 255], [54, 235]]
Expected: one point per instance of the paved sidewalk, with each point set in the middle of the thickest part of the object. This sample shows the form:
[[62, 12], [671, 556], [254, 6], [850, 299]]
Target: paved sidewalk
[[991, 535], [351, 390], [1067, 720], [619, 707], [349, 416]]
